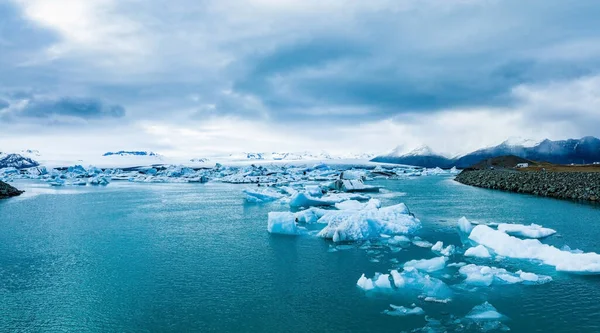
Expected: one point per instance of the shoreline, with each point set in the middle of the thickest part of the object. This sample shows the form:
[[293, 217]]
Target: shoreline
[[575, 186]]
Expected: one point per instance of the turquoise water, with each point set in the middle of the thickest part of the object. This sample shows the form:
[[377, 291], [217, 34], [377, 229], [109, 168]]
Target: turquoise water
[[181, 257]]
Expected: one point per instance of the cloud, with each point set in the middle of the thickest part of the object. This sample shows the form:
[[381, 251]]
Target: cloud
[[352, 74], [61, 110]]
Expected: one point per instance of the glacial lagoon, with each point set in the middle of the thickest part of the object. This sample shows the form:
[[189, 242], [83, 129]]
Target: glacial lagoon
[[198, 257]]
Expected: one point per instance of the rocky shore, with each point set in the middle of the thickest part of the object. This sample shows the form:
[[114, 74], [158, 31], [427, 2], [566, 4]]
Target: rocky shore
[[562, 185], [7, 191]]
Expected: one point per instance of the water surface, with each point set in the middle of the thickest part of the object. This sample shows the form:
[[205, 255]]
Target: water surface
[[196, 257]]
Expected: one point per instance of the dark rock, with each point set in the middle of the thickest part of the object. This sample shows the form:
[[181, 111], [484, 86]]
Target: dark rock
[[7, 191]]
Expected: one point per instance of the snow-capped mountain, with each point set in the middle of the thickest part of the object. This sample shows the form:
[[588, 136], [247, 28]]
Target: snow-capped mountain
[[423, 156], [295, 156], [131, 153], [579, 151], [16, 161]]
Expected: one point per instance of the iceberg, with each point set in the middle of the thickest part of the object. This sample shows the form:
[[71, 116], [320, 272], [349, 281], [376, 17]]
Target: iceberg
[[532, 249], [347, 225], [526, 231], [265, 195], [302, 199], [417, 241], [478, 251], [282, 223], [409, 280], [445, 251], [464, 225], [486, 276], [427, 265], [401, 311], [485, 311]]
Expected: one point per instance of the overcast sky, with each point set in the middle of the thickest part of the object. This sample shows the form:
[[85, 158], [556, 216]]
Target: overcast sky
[[199, 77]]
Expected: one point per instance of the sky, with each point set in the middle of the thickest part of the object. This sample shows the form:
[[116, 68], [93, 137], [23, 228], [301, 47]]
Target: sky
[[205, 77]]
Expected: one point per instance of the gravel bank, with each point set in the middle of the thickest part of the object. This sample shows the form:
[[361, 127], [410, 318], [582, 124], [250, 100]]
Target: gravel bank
[[562, 185]]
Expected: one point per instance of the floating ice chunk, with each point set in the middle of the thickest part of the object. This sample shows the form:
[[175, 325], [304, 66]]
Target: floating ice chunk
[[484, 312], [437, 247], [349, 205], [526, 231], [427, 265], [311, 215], [400, 240], [383, 282], [478, 251], [302, 199], [417, 241], [357, 205], [486, 276], [464, 225], [356, 185], [313, 190], [99, 180], [263, 195], [445, 251], [368, 223], [401, 311], [409, 280], [398, 279], [365, 283], [282, 223], [457, 264], [436, 300], [512, 247]]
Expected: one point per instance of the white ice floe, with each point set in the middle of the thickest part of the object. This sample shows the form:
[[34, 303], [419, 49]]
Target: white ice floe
[[445, 251], [357, 205], [526, 231], [302, 199], [427, 265], [399, 240], [485, 311], [417, 241], [401, 311], [486, 276], [513, 247], [282, 223], [262, 195], [350, 225], [478, 251], [464, 225], [410, 280]]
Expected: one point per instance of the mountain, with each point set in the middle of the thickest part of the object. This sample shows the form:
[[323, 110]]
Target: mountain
[[422, 156], [578, 151], [295, 156], [131, 153], [16, 161]]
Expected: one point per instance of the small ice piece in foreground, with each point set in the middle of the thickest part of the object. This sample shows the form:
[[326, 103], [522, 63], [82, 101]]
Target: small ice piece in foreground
[[399, 240], [417, 241], [401, 311], [478, 251], [526, 231], [485, 312], [512, 247], [486, 276], [365, 283], [439, 249], [464, 225], [409, 280], [427, 265], [282, 223], [254, 195]]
